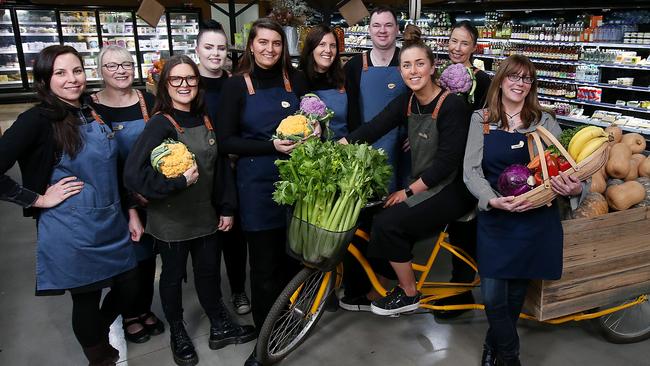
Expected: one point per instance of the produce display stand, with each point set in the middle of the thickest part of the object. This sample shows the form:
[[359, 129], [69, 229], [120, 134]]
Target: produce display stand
[[606, 259]]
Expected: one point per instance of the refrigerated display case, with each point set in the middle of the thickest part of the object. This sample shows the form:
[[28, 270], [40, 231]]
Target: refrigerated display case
[[184, 32], [9, 63], [117, 29], [37, 30], [79, 30], [153, 43]]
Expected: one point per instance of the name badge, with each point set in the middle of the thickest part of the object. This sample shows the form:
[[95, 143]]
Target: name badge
[[391, 86], [423, 135], [517, 146], [492, 127], [285, 104], [118, 127], [211, 142]]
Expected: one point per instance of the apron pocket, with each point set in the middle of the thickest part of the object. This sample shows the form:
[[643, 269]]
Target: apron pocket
[[98, 226]]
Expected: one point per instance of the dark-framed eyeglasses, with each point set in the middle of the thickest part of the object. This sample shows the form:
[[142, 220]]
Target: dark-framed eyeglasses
[[113, 66], [526, 79], [177, 81]]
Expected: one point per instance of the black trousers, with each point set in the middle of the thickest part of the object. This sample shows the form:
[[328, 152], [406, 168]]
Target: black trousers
[[206, 266], [146, 276], [90, 321], [270, 269], [233, 244]]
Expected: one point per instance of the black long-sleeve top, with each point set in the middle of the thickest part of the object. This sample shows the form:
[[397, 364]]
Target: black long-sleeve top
[[353, 69], [141, 177], [213, 88], [232, 104], [453, 125], [483, 81], [30, 142]]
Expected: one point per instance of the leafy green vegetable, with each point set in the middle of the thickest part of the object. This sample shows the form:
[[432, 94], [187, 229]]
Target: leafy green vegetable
[[565, 138], [328, 184]]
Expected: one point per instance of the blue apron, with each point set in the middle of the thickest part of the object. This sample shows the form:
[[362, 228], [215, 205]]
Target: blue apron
[[263, 111], [337, 101], [379, 86], [126, 133], [85, 239], [525, 245]]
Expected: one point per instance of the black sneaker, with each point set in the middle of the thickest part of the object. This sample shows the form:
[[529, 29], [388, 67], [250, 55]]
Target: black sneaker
[[241, 303], [396, 302], [357, 303], [460, 299]]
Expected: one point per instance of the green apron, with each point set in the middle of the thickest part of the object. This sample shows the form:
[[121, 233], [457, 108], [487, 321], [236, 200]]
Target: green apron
[[189, 213], [423, 137]]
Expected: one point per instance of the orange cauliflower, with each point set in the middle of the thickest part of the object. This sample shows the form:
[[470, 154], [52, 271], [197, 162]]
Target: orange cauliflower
[[294, 127], [171, 158]]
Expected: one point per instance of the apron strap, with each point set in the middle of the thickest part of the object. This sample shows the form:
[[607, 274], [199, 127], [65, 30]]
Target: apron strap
[[408, 109], [94, 97], [486, 125], [143, 105], [441, 100], [364, 57], [287, 83], [342, 90], [96, 116], [171, 119], [207, 123], [249, 84]]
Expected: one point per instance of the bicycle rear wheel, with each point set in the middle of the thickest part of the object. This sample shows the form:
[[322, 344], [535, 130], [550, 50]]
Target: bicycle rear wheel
[[294, 314], [629, 325]]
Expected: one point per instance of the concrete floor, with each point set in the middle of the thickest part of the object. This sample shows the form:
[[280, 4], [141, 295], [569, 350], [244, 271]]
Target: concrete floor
[[36, 331]]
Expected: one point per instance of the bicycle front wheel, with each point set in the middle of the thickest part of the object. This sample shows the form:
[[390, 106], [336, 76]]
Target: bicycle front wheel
[[629, 325], [294, 314]]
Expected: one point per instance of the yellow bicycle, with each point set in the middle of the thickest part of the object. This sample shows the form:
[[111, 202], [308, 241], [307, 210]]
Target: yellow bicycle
[[302, 302]]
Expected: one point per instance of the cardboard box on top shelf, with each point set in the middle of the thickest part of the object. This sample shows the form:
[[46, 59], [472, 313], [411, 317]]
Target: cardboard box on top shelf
[[150, 11], [354, 11]]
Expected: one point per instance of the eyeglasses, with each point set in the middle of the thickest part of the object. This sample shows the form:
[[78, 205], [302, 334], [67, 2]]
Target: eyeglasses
[[526, 79], [177, 81], [113, 66]]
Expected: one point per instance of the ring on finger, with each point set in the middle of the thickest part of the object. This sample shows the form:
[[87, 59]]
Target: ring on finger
[[65, 191]]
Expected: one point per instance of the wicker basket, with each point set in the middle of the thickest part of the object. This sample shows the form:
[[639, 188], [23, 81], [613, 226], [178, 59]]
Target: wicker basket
[[544, 194]]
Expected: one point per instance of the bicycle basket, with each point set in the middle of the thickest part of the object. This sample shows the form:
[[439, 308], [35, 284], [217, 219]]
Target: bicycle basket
[[314, 246]]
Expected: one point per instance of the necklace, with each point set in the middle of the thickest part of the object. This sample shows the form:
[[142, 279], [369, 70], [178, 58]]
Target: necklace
[[511, 117]]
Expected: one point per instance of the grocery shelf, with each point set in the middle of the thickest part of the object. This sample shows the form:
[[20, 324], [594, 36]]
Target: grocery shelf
[[36, 23], [6, 34], [118, 34], [569, 63], [79, 23], [89, 51], [574, 122], [8, 52], [5, 23], [9, 68], [53, 34], [80, 34], [600, 85], [595, 104], [15, 82], [564, 43]]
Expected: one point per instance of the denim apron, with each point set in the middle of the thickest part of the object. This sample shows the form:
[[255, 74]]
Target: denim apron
[[424, 137], [263, 111], [337, 101], [379, 86], [126, 133], [85, 239], [189, 213], [511, 245]]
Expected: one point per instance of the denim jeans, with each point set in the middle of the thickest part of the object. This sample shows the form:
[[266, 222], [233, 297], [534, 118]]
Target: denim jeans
[[503, 301]]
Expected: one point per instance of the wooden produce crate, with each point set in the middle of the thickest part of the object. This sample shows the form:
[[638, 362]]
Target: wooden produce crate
[[606, 259]]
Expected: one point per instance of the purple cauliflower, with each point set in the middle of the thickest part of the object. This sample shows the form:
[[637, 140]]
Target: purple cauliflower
[[457, 78], [310, 104]]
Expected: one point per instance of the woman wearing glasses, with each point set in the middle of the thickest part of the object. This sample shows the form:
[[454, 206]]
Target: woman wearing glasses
[[68, 160], [182, 212], [128, 110], [515, 243]]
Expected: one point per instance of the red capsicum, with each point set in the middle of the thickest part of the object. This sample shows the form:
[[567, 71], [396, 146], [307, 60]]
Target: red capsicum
[[552, 166], [563, 164]]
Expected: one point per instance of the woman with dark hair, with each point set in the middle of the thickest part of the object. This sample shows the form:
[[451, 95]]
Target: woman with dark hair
[[212, 48], [513, 246], [265, 90], [127, 109], [321, 63], [462, 233], [68, 159], [183, 212], [437, 123]]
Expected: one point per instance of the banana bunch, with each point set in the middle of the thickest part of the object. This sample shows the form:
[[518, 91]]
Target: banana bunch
[[586, 141]]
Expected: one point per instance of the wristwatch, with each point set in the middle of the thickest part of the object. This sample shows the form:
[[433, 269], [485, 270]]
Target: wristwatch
[[408, 192]]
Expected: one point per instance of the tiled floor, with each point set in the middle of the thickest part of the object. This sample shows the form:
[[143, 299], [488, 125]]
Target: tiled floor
[[36, 331]]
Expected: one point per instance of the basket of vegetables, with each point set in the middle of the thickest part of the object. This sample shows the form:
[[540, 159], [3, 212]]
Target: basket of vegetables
[[588, 150], [327, 184]]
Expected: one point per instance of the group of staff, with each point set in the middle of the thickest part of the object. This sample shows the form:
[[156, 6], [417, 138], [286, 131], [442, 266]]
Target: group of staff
[[103, 211]]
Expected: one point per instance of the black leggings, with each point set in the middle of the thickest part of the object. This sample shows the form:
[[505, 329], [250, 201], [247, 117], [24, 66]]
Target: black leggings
[[206, 265], [233, 245], [271, 269], [146, 277], [90, 322]]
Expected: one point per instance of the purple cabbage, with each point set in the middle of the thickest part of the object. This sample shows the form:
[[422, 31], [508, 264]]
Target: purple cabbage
[[514, 180]]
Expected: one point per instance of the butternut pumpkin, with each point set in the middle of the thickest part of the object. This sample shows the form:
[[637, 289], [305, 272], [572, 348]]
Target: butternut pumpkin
[[634, 170], [618, 165], [635, 141], [593, 205], [616, 132], [603, 172], [644, 168], [623, 196], [645, 182], [598, 184]]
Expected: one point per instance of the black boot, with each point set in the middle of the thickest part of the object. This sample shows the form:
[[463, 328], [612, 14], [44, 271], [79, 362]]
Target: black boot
[[489, 357], [182, 347], [252, 361], [502, 361], [102, 354], [224, 330]]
